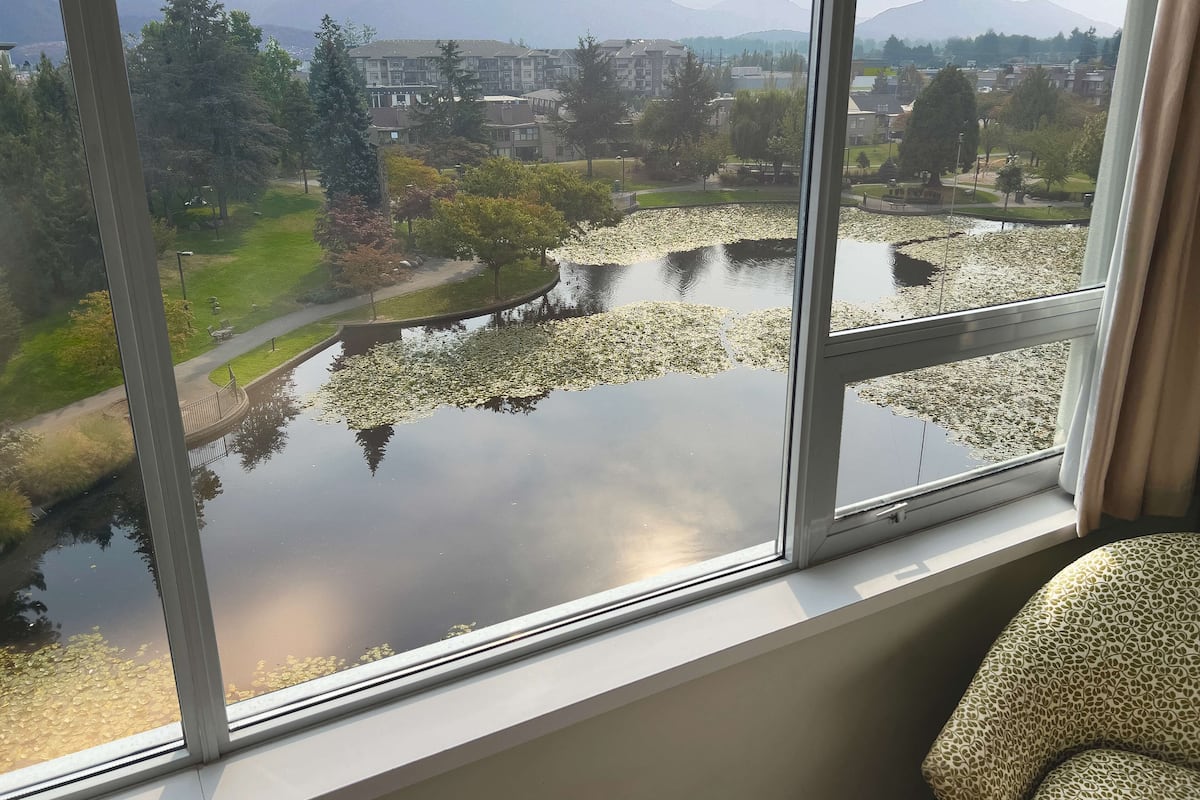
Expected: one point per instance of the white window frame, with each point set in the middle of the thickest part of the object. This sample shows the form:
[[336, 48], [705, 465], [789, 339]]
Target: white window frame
[[810, 529]]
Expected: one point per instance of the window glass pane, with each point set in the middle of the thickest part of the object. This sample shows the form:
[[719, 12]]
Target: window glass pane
[[508, 422], [913, 428], [972, 184], [84, 667]]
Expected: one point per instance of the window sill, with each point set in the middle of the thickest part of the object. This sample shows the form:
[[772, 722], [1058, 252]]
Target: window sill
[[401, 743]]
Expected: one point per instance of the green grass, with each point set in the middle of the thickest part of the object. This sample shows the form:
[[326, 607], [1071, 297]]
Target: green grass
[[718, 196], [963, 195], [462, 296], [262, 360], [267, 260], [609, 170], [1019, 214]]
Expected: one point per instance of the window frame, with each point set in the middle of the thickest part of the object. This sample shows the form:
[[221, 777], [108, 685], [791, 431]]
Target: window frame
[[810, 529]]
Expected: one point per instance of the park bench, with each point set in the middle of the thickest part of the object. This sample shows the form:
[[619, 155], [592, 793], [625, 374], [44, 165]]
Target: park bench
[[220, 334]]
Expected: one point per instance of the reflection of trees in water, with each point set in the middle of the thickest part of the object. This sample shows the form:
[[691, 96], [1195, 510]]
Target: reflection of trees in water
[[262, 433], [514, 405], [681, 271], [909, 271], [548, 307], [206, 485], [750, 254], [374, 442], [23, 620]]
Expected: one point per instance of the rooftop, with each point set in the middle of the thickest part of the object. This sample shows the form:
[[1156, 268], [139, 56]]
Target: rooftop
[[428, 48]]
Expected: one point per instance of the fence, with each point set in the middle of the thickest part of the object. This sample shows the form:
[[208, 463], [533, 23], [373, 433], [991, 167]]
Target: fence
[[208, 453], [200, 414]]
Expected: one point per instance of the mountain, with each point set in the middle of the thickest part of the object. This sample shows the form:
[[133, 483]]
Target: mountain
[[940, 19], [786, 36], [541, 23]]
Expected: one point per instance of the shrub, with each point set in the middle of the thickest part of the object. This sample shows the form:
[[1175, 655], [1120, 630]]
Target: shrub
[[73, 460], [729, 179], [326, 295], [164, 236], [15, 521]]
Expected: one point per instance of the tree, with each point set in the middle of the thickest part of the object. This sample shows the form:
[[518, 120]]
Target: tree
[[412, 185], [91, 338], [689, 90], [289, 103], [704, 158], [1034, 103], [888, 171], [497, 231], [366, 267], [298, 119], [1085, 153], [863, 160], [758, 116], [455, 109], [593, 100], [10, 327], [1009, 178], [909, 84], [1053, 146], [348, 222], [943, 112], [341, 145], [201, 120]]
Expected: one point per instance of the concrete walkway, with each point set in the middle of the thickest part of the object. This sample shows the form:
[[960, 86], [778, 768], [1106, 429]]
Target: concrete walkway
[[191, 376]]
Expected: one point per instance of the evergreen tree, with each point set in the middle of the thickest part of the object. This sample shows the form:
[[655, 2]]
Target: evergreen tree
[[341, 145], [201, 121], [593, 100], [456, 108], [689, 91], [1034, 103], [931, 141]]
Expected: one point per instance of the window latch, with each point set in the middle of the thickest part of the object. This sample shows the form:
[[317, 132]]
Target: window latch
[[895, 513]]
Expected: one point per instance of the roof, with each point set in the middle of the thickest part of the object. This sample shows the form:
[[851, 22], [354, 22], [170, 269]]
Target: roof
[[879, 103], [501, 98], [509, 114], [552, 95], [625, 48], [853, 108], [393, 117], [428, 48]]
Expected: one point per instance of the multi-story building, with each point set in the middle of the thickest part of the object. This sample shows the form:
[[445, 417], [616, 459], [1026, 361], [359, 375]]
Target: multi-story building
[[399, 71], [642, 65], [4, 48]]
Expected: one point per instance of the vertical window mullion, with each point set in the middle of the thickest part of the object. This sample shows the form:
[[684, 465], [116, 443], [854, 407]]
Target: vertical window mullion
[[816, 420], [110, 143]]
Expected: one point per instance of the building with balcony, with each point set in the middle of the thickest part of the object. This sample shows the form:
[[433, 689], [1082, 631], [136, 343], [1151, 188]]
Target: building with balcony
[[642, 65]]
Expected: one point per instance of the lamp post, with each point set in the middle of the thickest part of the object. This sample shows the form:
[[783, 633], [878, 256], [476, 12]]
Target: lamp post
[[621, 158], [179, 254], [975, 189]]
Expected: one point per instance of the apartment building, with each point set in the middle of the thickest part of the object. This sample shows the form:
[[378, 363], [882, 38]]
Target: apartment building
[[642, 65], [399, 71]]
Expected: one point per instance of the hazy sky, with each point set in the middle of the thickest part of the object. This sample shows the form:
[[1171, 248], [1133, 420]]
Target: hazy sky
[[1110, 11]]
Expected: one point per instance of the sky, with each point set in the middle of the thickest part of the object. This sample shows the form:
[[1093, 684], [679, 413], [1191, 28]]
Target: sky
[[1110, 11]]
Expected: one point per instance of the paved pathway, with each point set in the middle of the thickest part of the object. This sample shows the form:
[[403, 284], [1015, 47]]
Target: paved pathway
[[191, 377]]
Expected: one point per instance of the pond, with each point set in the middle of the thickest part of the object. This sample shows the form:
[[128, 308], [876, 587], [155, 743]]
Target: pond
[[326, 539]]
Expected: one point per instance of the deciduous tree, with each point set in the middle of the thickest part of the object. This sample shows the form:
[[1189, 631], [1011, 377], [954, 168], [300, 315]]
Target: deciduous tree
[[1085, 154], [91, 339], [1009, 178]]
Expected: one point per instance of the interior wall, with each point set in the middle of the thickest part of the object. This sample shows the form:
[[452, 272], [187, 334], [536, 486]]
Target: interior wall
[[849, 713]]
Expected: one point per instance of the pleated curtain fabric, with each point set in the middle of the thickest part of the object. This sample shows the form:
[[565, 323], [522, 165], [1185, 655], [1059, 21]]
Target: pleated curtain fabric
[[1140, 445]]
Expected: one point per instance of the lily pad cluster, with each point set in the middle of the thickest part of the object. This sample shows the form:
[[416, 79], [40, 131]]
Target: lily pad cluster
[[405, 381], [760, 339], [1000, 406]]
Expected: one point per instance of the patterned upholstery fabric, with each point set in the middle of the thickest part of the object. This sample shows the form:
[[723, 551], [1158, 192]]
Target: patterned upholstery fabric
[[1114, 775], [1107, 654]]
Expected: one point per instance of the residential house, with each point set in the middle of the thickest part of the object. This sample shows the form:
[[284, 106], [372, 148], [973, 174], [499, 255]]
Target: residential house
[[861, 125], [887, 107], [756, 78]]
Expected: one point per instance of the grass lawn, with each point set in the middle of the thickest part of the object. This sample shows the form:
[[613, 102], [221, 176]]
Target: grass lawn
[[963, 196], [609, 170], [268, 260], [256, 363], [475, 292], [1019, 214], [717, 196]]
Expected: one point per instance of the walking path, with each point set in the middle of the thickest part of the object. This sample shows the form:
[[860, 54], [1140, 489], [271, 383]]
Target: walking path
[[191, 376]]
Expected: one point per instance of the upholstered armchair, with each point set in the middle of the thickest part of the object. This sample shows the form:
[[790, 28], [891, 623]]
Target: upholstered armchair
[[1092, 692]]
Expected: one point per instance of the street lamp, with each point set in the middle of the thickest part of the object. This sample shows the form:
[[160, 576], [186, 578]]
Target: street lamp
[[179, 254], [622, 160]]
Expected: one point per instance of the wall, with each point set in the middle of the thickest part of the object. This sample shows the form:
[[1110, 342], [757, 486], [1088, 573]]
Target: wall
[[846, 714]]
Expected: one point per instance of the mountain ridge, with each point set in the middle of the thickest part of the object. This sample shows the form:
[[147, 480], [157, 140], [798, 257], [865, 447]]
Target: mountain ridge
[[933, 20]]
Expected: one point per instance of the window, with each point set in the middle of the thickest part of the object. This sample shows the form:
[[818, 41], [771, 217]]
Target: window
[[315, 522]]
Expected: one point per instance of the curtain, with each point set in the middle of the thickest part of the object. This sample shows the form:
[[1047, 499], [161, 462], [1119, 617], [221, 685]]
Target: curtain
[[1134, 444]]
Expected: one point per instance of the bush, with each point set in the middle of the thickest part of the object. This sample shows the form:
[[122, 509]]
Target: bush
[[729, 179], [15, 521], [164, 236], [73, 460]]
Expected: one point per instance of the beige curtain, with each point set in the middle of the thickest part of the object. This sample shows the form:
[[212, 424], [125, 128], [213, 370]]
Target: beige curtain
[[1143, 447]]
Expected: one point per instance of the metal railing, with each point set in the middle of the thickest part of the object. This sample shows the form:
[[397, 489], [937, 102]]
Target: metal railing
[[199, 414]]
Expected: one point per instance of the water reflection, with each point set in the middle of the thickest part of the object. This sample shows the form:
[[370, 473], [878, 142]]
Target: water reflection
[[374, 442], [263, 433]]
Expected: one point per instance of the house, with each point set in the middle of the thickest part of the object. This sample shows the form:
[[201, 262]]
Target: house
[[757, 78], [5, 60], [862, 126], [826, 683]]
